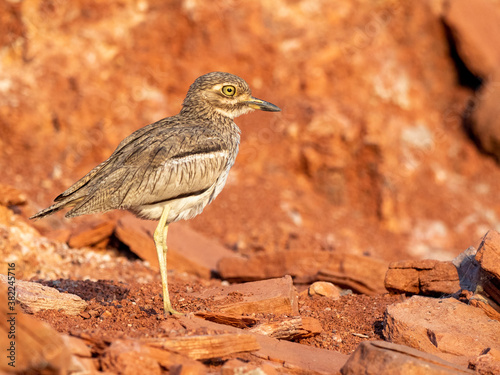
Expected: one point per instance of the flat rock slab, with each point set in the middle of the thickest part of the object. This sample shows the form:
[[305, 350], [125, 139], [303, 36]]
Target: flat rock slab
[[135, 357], [361, 273], [426, 277], [209, 346], [33, 297], [286, 357], [188, 250], [380, 357], [36, 345], [447, 328], [277, 296]]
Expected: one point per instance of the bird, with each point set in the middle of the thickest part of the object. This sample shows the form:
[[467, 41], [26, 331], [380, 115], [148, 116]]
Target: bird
[[172, 169]]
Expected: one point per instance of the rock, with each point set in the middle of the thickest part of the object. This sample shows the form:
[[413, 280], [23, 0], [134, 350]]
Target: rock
[[488, 363], [34, 347], [236, 366], [284, 356], [488, 254], [484, 120], [290, 329], [475, 27], [10, 196], [135, 357], [482, 282], [380, 357], [274, 296], [360, 273], [188, 250], [425, 277], [233, 320], [81, 355], [447, 328], [208, 346], [97, 236], [33, 297], [325, 289]]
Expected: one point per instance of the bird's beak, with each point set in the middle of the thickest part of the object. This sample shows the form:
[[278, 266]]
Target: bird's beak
[[262, 105]]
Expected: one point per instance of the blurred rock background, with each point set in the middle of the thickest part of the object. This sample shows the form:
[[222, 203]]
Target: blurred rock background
[[385, 145]]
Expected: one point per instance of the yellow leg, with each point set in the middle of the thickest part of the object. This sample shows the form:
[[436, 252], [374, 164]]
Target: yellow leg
[[160, 237]]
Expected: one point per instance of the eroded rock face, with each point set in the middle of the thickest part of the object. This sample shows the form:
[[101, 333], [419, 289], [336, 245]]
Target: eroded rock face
[[366, 154]]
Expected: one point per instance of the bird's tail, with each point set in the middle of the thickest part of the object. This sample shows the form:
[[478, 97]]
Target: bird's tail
[[55, 207]]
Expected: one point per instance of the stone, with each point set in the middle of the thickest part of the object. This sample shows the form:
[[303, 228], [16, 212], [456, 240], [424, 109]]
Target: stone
[[484, 285], [488, 254], [484, 120], [325, 289], [380, 357], [36, 346], [188, 250], [98, 234], [205, 347], [33, 297], [488, 363], [363, 274], [10, 196], [475, 27], [284, 356], [273, 296], [426, 277], [236, 366], [81, 355], [446, 328], [135, 357], [290, 329]]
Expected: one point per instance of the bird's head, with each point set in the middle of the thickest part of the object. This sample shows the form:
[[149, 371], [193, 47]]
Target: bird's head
[[225, 94]]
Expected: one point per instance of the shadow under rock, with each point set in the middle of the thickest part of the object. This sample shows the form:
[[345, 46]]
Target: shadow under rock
[[102, 290]]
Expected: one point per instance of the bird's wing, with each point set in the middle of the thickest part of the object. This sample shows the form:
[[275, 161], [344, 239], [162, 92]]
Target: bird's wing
[[81, 183], [160, 164]]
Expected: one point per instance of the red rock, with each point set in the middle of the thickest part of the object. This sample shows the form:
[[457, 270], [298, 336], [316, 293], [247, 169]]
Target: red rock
[[447, 328], [273, 296], [488, 254], [98, 234], [380, 357], [286, 357], [188, 251], [10, 196], [135, 357], [475, 27], [290, 329], [235, 366], [325, 289], [205, 347], [402, 280], [426, 277], [81, 355], [488, 363], [361, 273], [37, 346], [484, 120], [33, 297]]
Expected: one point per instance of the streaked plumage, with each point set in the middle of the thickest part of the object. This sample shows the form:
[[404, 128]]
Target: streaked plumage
[[171, 169]]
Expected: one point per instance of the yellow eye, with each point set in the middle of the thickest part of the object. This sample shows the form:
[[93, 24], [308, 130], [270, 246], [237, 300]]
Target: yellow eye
[[229, 90]]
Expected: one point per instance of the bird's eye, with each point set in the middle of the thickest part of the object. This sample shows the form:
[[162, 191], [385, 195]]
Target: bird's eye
[[229, 90]]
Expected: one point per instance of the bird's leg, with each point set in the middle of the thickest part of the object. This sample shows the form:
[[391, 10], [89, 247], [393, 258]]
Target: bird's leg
[[160, 237]]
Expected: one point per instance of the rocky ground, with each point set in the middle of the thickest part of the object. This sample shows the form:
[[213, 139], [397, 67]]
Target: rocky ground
[[357, 229]]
